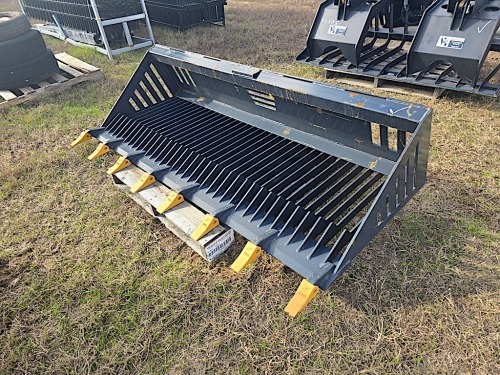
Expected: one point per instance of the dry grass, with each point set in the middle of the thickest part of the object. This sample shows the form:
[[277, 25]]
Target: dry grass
[[9, 5], [90, 284]]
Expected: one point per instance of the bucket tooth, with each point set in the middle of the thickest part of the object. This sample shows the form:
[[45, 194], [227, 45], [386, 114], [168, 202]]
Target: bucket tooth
[[250, 253], [172, 200], [146, 180], [82, 138], [302, 297], [120, 164], [208, 224], [99, 151]]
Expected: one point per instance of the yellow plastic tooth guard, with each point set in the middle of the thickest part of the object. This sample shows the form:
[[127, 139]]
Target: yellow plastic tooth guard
[[82, 138], [120, 164], [172, 200], [250, 253], [146, 180], [302, 297], [99, 151], [208, 224]]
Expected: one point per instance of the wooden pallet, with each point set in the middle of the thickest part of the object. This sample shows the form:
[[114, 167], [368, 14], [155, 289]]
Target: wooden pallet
[[182, 220], [386, 85], [71, 72]]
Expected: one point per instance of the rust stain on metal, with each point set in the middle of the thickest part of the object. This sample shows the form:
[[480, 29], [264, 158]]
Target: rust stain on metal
[[373, 164], [353, 94], [286, 131], [299, 92], [319, 110], [360, 104]]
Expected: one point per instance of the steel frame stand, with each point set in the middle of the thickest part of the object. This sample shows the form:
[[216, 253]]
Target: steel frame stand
[[133, 42]]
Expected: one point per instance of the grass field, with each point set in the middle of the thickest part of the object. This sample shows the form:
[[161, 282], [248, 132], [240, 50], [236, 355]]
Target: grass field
[[89, 283]]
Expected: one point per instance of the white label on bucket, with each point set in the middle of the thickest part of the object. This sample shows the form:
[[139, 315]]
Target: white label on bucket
[[219, 245], [337, 30], [450, 42]]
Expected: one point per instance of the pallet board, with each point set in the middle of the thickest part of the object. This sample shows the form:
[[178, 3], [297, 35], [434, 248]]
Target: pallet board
[[71, 72], [181, 220], [386, 85]]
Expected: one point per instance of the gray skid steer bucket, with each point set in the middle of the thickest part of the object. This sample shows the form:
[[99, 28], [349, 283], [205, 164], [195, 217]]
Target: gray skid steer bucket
[[305, 171]]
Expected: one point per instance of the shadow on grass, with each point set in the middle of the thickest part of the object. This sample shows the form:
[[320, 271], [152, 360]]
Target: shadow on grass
[[424, 255]]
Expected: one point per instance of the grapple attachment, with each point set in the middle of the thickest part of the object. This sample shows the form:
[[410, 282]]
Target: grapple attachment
[[458, 32], [307, 172], [343, 25], [441, 44]]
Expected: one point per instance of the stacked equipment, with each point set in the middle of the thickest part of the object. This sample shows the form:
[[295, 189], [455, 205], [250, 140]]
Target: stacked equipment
[[183, 14], [80, 15], [105, 25]]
